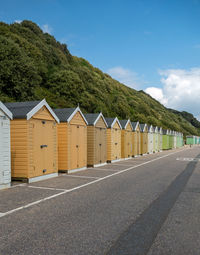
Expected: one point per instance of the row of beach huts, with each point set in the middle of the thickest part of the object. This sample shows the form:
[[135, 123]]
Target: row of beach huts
[[36, 141]]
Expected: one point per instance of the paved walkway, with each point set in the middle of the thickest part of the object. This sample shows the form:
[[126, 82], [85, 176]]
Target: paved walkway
[[146, 205]]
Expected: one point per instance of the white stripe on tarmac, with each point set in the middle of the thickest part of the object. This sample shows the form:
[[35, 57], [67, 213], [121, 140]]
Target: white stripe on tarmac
[[84, 185], [81, 176], [38, 187], [102, 169], [122, 164]]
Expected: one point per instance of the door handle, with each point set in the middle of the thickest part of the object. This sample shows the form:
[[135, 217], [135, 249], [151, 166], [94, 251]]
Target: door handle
[[43, 146], [76, 146]]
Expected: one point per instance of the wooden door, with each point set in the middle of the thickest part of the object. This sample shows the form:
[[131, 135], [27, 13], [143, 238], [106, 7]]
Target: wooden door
[[42, 140], [116, 143], [73, 147], [82, 146], [103, 146], [49, 149], [138, 143], [129, 143], [98, 144], [118, 149]]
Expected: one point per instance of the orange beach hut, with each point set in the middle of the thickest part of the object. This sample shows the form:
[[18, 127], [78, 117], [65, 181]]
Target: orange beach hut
[[96, 139], [33, 141], [72, 140]]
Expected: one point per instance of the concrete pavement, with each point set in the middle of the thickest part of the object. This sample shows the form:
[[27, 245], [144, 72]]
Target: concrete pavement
[[146, 205]]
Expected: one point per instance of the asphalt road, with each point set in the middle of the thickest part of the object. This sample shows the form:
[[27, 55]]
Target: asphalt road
[[147, 205]]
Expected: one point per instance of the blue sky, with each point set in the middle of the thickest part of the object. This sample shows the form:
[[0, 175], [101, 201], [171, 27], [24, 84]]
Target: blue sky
[[152, 45]]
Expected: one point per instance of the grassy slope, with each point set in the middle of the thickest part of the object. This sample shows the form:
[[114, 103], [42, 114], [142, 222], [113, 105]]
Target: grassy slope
[[33, 65]]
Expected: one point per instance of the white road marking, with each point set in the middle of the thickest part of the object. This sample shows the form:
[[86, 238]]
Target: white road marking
[[102, 169], [38, 187], [188, 159], [81, 176], [84, 185], [123, 164]]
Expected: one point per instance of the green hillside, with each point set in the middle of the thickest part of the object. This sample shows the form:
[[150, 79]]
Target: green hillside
[[33, 66]]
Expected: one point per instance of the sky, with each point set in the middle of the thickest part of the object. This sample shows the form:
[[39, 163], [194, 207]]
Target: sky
[[150, 45]]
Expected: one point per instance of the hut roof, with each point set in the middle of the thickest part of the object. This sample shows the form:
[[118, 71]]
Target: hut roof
[[25, 110], [135, 125], [92, 118], [5, 110], [111, 122], [66, 114], [124, 123]]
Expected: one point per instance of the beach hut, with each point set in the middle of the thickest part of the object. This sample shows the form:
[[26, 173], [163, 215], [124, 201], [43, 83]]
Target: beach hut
[[96, 139], [126, 139], [33, 141], [155, 139], [150, 139], [5, 168], [113, 139], [171, 139], [165, 143], [175, 139], [144, 139], [72, 140], [190, 140], [160, 133], [136, 139]]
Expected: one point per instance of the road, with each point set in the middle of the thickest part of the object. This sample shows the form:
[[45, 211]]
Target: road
[[146, 205]]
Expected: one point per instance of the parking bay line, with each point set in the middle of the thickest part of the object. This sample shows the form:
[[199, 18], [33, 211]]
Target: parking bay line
[[102, 169], [81, 176], [83, 185], [39, 187]]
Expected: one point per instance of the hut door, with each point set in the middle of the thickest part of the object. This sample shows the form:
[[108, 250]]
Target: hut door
[[42, 145], [49, 145], [74, 143], [138, 143], [103, 146], [116, 143], [129, 145], [98, 145], [81, 150]]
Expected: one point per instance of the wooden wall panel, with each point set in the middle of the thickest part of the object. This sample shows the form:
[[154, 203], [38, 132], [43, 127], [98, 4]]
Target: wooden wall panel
[[19, 148], [90, 145], [100, 123], [43, 114], [62, 131]]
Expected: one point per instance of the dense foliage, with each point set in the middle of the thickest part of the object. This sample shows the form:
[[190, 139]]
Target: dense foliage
[[33, 66]]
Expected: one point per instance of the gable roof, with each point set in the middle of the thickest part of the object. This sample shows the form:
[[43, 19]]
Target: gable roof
[[160, 130], [155, 129], [143, 126], [165, 132], [92, 118], [124, 123], [5, 110], [150, 129], [66, 114], [26, 110], [135, 125], [111, 122]]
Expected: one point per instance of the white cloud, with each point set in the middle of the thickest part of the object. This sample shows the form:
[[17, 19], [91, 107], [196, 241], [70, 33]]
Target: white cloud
[[124, 76], [46, 29], [18, 21], [157, 93], [181, 90]]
